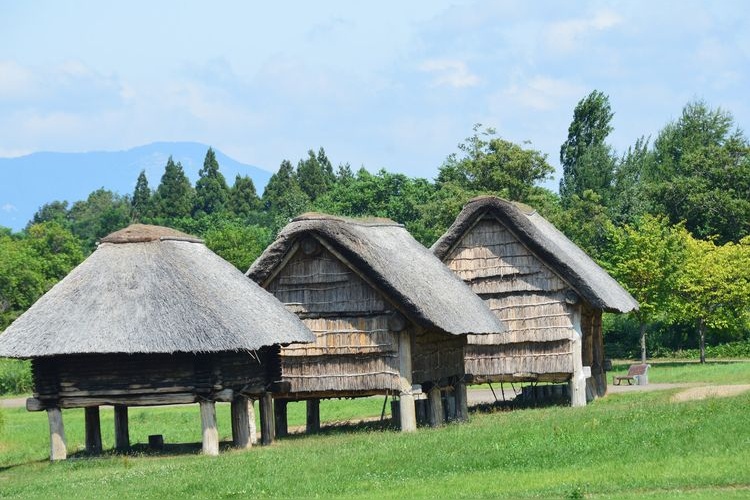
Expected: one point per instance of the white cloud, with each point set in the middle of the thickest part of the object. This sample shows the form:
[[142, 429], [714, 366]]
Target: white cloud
[[566, 36], [8, 208], [542, 93], [450, 72], [15, 80]]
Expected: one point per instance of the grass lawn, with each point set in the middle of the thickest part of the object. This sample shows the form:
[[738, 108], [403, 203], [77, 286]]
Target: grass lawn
[[674, 372], [634, 445]]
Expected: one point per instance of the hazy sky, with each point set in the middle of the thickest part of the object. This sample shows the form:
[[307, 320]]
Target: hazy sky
[[385, 84]]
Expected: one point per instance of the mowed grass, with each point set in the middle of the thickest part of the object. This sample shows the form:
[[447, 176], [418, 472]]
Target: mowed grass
[[634, 445], [675, 372]]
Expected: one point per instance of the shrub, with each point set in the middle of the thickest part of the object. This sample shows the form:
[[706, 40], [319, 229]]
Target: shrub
[[15, 376], [731, 350]]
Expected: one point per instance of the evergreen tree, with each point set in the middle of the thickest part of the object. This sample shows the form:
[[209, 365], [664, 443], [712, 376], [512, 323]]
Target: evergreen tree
[[283, 195], [174, 196], [211, 189], [315, 174], [141, 202], [586, 159], [243, 199]]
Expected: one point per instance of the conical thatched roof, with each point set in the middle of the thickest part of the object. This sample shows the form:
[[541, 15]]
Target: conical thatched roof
[[405, 271], [150, 289], [549, 244]]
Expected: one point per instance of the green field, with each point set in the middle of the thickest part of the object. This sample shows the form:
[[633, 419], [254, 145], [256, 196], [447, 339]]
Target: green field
[[631, 445]]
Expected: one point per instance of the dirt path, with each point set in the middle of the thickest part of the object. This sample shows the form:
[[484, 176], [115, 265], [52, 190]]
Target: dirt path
[[710, 391]]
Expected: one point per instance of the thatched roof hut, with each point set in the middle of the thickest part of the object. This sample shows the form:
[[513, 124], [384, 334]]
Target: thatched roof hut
[[547, 289], [387, 314], [151, 317]]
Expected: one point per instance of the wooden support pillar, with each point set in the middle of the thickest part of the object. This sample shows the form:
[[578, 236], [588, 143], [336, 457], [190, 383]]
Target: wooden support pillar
[[266, 419], [577, 380], [57, 447], [407, 411], [436, 407], [93, 430], [241, 422], [462, 401], [597, 367], [279, 414], [313, 416], [210, 432], [251, 418], [122, 434]]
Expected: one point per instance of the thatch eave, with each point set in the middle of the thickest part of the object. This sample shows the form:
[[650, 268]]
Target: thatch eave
[[586, 277], [152, 291], [419, 285]]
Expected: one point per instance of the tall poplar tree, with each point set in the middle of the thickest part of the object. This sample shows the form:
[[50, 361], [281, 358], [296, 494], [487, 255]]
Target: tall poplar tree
[[587, 161]]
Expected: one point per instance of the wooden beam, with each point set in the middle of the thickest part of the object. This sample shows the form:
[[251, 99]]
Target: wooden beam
[[266, 419], [313, 416], [208, 426], [577, 380], [251, 418], [279, 413], [462, 401], [122, 433], [93, 430], [436, 416], [407, 411], [57, 448], [241, 423], [139, 400]]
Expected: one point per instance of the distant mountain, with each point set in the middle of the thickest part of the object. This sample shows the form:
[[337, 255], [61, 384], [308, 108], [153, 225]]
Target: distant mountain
[[28, 182]]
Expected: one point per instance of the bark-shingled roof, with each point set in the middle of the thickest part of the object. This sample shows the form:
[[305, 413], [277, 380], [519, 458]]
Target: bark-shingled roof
[[149, 289], [549, 244], [399, 266]]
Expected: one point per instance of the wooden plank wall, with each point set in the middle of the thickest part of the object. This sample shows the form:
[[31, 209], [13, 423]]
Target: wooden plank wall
[[354, 349], [523, 292], [85, 379], [437, 357]]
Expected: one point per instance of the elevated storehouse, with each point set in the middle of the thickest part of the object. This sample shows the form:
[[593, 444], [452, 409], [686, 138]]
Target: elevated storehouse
[[548, 291], [152, 317], [387, 315]]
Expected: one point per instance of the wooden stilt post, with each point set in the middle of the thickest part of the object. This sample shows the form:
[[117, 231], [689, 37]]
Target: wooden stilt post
[[406, 397], [251, 418], [462, 401], [241, 423], [577, 380], [436, 407], [93, 430], [266, 419], [279, 413], [313, 416], [57, 447], [210, 432], [122, 434]]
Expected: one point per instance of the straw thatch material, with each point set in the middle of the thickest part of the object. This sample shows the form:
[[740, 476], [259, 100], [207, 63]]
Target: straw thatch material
[[148, 289], [390, 258], [549, 244]]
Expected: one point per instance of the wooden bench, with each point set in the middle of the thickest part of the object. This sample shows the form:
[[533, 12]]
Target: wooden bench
[[633, 372]]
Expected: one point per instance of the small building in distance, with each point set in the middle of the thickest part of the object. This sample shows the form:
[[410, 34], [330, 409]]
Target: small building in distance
[[153, 317], [548, 291], [388, 316]]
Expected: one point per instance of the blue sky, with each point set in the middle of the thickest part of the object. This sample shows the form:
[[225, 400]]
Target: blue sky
[[392, 85]]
